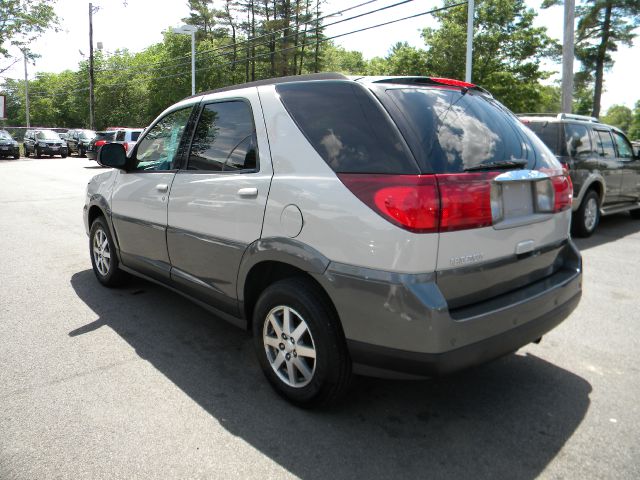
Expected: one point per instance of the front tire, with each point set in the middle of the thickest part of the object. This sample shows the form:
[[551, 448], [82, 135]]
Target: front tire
[[299, 343], [104, 259], [587, 217]]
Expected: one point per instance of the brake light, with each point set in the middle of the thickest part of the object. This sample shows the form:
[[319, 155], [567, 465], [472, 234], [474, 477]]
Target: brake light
[[452, 82], [409, 201], [563, 189], [427, 203], [100, 143]]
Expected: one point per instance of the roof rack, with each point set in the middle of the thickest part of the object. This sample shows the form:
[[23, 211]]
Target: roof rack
[[275, 81], [561, 116]]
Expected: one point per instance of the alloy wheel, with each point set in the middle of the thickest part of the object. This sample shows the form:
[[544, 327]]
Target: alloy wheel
[[101, 252], [289, 346]]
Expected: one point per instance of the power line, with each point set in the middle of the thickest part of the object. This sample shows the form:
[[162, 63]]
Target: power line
[[246, 59]]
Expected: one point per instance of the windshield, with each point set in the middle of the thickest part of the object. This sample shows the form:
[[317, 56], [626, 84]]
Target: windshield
[[47, 135], [5, 136], [451, 131]]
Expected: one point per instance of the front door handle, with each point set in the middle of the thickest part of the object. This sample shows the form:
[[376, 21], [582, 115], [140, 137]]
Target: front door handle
[[248, 192], [162, 187]]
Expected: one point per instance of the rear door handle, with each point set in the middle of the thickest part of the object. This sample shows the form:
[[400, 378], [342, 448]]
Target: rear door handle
[[248, 192], [162, 187]]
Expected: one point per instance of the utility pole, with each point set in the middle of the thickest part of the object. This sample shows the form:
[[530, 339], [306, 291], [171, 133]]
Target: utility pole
[[469, 63], [567, 56], [190, 30], [91, 95], [26, 88]]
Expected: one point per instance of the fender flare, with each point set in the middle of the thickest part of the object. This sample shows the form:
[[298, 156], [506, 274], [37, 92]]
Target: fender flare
[[594, 177], [279, 249]]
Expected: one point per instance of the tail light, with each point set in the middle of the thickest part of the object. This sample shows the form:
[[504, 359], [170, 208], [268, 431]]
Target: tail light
[[100, 143], [126, 146], [447, 202], [563, 189], [408, 201]]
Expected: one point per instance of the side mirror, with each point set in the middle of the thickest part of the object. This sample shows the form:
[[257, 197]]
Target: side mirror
[[112, 155]]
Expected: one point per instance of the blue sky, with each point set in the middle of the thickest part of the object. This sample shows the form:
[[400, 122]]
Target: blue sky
[[135, 24]]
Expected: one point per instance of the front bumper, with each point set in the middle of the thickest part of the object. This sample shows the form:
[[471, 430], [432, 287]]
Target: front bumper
[[401, 323], [53, 151], [7, 150]]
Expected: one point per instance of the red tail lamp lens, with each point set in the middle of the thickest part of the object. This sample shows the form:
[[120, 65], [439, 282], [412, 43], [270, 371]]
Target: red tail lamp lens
[[409, 201], [100, 143], [563, 192], [465, 200]]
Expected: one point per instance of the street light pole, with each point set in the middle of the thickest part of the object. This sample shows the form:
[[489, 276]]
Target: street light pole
[[567, 56], [91, 80], [186, 30], [26, 88], [469, 63]]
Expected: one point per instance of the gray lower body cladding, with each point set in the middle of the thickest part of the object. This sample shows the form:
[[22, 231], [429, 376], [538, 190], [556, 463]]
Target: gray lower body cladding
[[403, 323]]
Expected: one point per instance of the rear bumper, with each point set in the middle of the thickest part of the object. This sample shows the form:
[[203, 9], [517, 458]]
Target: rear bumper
[[400, 323]]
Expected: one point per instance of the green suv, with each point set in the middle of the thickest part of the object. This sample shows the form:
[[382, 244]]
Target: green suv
[[602, 164]]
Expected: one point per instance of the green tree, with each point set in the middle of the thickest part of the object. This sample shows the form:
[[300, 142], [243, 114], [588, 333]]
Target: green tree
[[619, 116], [602, 26], [634, 129], [21, 22], [507, 50]]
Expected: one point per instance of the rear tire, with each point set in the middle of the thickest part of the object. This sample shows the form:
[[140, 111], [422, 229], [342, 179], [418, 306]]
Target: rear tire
[[586, 218], [104, 258], [305, 358]]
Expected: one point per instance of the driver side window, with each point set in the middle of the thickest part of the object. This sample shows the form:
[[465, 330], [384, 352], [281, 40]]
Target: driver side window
[[159, 147]]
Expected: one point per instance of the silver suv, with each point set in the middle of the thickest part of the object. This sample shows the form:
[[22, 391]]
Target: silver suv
[[382, 226]]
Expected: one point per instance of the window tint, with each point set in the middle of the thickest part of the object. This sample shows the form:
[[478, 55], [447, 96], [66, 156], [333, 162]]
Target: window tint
[[624, 148], [105, 135], [605, 144], [120, 136], [454, 130], [134, 136], [548, 132], [577, 140], [224, 138], [347, 128], [158, 149]]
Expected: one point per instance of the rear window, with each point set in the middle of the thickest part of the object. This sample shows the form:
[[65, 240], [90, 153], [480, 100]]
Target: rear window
[[450, 130], [105, 135], [347, 127], [549, 133]]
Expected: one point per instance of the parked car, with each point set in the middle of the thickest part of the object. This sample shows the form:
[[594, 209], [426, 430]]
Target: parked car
[[128, 137], [78, 141], [636, 147], [383, 226], [604, 169], [100, 139], [8, 146], [43, 142]]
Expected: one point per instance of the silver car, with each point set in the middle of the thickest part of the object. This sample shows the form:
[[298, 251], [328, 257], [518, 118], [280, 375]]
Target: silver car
[[387, 226]]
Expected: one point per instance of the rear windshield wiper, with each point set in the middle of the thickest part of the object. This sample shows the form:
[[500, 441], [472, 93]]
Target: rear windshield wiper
[[497, 165]]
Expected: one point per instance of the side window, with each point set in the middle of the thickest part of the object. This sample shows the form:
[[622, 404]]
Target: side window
[[157, 150], [120, 136], [225, 138], [578, 141], [605, 144], [624, 148]]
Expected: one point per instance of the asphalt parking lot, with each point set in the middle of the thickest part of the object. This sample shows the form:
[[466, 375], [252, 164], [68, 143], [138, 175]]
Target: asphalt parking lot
[[140, 383]]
